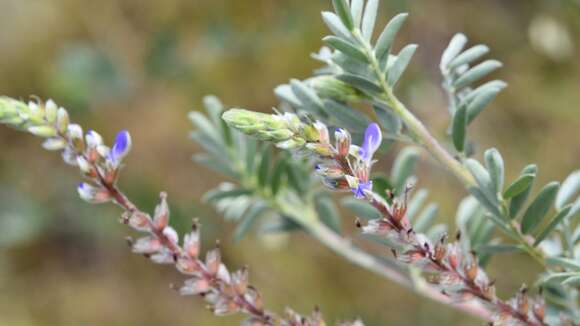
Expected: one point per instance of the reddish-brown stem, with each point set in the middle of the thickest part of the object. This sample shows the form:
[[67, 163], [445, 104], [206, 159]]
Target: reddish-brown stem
[[124, 202]]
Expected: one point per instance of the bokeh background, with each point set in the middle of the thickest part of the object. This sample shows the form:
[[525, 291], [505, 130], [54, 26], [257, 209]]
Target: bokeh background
[[143, 64]]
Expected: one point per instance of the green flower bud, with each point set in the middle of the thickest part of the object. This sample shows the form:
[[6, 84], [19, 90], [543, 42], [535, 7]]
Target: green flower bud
[[251, 122], [43, 131], [311, 133], [293, 143]]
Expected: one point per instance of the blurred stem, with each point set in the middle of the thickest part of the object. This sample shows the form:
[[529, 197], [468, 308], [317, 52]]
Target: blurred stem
[[308, 219]]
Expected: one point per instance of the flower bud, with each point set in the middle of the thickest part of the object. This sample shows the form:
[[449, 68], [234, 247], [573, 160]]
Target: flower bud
[[147, 245], [275, 135], [139, 221], [85, 167], [50, 111], [43, 131], [330, 171], [161, 216], [93, 139], [75, 134], [240, 280], [323, 150], [195, 286], [343, 141], [92, 194], [191, 243], [120, 148], [323, 136], [539, 309], [213, 261], [292, 143], [62, 120], [171, 234], [54, 144]]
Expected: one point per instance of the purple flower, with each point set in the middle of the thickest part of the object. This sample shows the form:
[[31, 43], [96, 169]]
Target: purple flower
[[359, 191], [371, 142], [120, 148]]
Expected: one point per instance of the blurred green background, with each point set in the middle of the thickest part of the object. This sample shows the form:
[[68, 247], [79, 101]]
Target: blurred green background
[[143, 64]]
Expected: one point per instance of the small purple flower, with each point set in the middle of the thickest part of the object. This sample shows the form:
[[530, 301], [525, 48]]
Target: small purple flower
[[359, 191], [371, 142], [120, 148]]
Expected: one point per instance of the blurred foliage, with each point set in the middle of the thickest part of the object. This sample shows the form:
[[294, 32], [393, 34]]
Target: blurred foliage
[[142, 65]]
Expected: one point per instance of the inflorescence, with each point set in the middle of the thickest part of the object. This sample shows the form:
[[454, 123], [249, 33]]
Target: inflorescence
[[346, 167]]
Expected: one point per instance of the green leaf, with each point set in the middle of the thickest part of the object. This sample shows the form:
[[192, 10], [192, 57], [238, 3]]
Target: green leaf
[[557, 277], [518, 200], [285, 224], [426, 218], [369, 18], [455, 47], [215, 165], [250, 153], [387, 37], [360, 208], [346, 47], [497, 248], [416, 202], [388, 119], [214, 108], [264, 169], [569, 264], [485, 202], [559, 218], [205, 126], [236, 207], [285, 93], [572, 281], [335, 25], [403, 167], [356, 11], [216, 149], [476, 73], [249, 219], [341, 8], [365, 85], [521, 184], [277, 175], [381, 185], [539, 207], [493, 84], [482, 178], [469, 56], [400, 64], [217, 194], [495, 166], [569, 189], [327, 212], [480, 102], [346, 116], [458, 128], [295, 178], [310, 101]]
